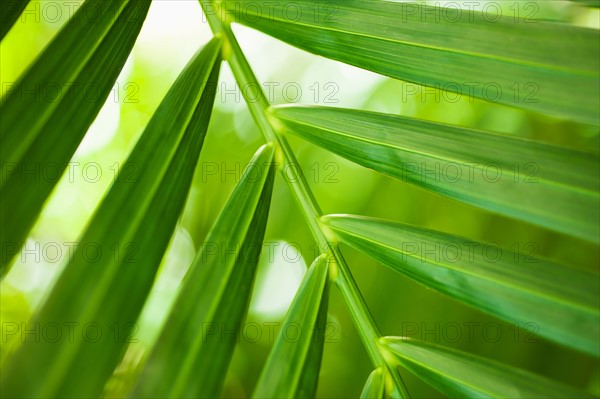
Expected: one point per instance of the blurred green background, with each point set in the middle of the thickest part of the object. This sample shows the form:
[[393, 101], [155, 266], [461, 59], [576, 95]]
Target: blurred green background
[[172, 33]]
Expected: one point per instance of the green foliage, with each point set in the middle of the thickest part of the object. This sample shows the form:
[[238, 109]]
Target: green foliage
[[375, 386], [408, 42], [559, 63], [137, 218], [494, 281], [408, 149], [292, 370], [206, 306], [9, 14], [463, 375], [86, 52]]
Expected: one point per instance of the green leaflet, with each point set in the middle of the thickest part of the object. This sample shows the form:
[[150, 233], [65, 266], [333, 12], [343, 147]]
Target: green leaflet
[[549, 186], [192, 354], [292, 369], [14, 310], [40, 131], [589, 3], [499, 59], [10, 10], [511, 286], [103, 287], [462, 375], [375, 386]]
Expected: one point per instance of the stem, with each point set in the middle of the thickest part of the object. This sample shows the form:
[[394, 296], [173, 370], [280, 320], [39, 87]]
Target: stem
[[259, 109]]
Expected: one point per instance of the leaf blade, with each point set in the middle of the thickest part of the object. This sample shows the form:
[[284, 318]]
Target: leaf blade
[[86, 53], [375, 386], [460, 374], [205, 304], [589, 3], [292, 369], [9, 14], [136, 218], [434, 46], [513, 176], [551, 296]]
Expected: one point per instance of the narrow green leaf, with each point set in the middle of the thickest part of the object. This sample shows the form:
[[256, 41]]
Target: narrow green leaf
[[462, 375], [109, 275], [511, 285], [47, 112], [472, 53], [375, 386], [10, 10], [191, 356], [292, 369], [553, 187], [589, 3]]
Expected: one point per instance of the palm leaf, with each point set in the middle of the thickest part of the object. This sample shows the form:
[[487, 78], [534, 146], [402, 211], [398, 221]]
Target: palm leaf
[[9, 14], [292, 369], [191, 356], [375, 386], [460, 51], [110, 274], [503, 174], [589, 3], [505, 284], [101, 292], [462, 375], [43, 130]]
